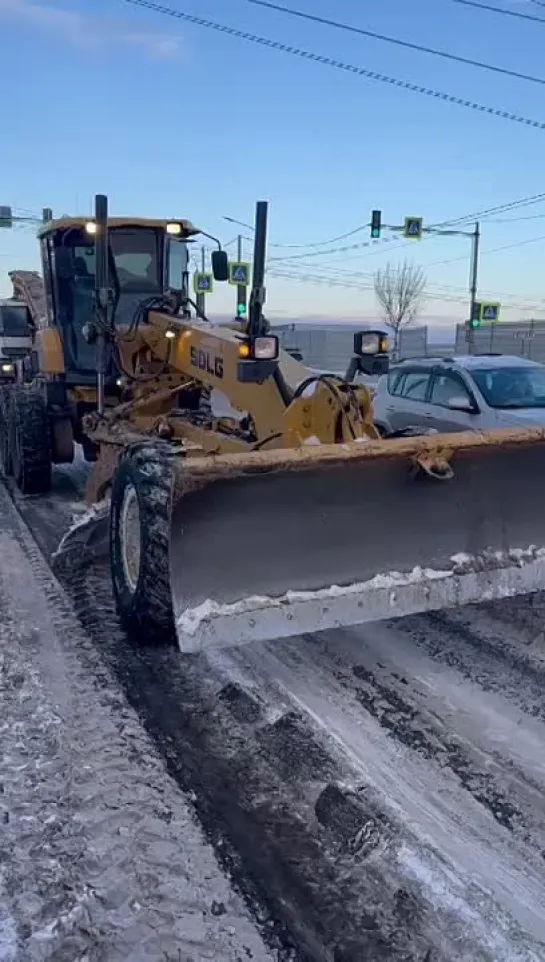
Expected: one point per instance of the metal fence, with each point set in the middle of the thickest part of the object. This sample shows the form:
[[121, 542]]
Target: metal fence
[[331, 347], [522, 339], [322, 347]]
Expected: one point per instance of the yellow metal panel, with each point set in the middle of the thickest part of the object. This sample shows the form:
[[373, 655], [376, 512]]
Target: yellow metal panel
[[48, 346]]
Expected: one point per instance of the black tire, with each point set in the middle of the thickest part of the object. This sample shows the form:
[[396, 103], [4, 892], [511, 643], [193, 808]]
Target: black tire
[[5, 448], [30, 441], [145, 606]]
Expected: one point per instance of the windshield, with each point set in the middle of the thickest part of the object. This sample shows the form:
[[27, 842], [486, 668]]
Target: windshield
[[512, 387], [137, 255]]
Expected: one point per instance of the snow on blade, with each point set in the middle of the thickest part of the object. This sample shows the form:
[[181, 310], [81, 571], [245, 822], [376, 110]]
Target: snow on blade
[[190, 620], [387, 595]]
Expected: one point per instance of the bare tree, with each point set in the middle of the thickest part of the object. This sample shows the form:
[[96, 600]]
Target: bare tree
[[399, 292]]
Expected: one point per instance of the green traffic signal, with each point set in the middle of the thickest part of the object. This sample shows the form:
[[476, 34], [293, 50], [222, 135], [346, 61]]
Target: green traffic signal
[[241, 310], [474, 323], [376, 223]]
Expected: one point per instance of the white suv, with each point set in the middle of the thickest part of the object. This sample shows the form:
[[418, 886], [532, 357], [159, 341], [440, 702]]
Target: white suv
[[462, 393]]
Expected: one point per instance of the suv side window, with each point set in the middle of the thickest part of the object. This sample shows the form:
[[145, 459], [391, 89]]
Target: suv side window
[[396, 380], [415, 385], [448, 386]]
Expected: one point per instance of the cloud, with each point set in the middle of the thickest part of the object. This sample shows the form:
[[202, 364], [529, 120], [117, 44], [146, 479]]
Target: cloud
[[91, 32]]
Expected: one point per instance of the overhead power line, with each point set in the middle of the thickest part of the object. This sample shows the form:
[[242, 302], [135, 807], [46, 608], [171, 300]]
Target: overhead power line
[[320, 279], [337, 64], [420, 48], [454, 222], [503, 11], [458, 221], [494, 250], [323, 243]]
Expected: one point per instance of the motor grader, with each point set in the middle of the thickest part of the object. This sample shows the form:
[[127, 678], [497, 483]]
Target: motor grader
[[290, 516]]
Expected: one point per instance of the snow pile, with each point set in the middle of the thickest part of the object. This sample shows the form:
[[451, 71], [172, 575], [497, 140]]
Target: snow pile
[[83, 527]]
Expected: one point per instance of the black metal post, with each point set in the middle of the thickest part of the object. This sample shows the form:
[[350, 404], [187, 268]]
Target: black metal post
[[241, 288], [256, 321], [101, 292], [474, 282]]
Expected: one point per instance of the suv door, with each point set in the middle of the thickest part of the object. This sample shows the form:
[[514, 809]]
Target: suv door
[[445, 386], [408, 403]]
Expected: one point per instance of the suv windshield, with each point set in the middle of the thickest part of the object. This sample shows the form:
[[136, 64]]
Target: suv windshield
[[512, 387]]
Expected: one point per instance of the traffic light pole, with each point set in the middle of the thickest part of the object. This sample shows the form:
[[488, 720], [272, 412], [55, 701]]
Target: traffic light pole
[[242, 303], [474, 279], [377, 226], [200, 298]]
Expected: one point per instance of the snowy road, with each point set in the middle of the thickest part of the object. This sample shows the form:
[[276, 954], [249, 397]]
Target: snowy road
[[375, 794], [101, 857]]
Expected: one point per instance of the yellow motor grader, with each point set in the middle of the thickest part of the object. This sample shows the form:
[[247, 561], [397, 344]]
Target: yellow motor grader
[[291, 515]]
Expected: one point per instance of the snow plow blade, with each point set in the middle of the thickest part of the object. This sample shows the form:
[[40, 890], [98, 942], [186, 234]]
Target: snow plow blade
[[280, 543]]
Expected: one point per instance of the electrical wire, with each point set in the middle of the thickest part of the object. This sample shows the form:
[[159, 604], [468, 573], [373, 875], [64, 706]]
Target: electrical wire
[[420, 48], [331, 240], [344, 274], [494, 250], [361, 72], [480, 215], [518, 14], [320, 280]]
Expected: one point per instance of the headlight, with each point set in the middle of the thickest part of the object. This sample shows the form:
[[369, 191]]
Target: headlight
[[174, 229], [370, 344], [7, 368], [90, 227], [265, 348]]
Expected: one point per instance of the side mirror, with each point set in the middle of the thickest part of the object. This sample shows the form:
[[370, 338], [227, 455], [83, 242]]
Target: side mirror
[[461, 403], [220, 266]]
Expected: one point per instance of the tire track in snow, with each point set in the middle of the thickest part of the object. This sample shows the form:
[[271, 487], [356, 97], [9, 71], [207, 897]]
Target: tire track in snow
[[474, 850]]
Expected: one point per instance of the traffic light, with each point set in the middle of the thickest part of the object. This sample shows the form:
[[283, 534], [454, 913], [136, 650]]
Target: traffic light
[[47, 215], [241, 309], [475, 319], [376, 227]]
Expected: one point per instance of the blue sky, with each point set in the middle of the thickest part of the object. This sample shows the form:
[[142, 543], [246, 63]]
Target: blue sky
[[172, 119]]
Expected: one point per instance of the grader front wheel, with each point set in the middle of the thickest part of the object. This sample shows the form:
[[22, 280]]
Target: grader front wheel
[[140, 543]]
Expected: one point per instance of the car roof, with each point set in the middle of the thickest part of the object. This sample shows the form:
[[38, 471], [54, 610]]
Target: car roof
[[469, 361]]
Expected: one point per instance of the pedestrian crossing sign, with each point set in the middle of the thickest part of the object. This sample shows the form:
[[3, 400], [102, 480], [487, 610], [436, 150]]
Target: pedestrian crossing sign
[[239, 274], [203, 283]]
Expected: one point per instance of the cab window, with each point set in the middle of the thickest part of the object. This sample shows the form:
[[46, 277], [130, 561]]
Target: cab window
[[138, 257], [178, 260], [445, 387]]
